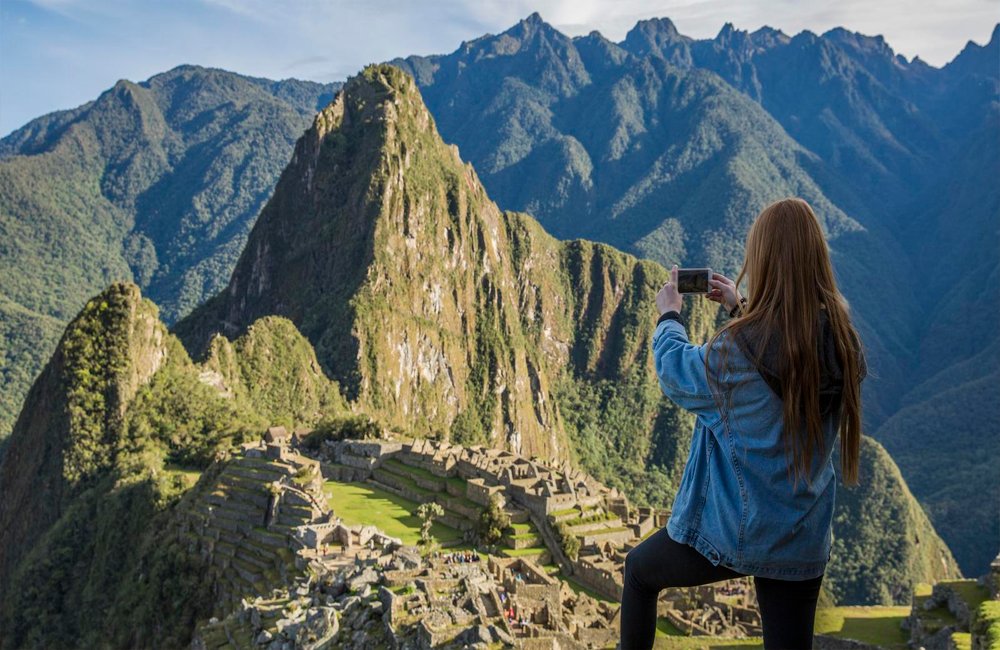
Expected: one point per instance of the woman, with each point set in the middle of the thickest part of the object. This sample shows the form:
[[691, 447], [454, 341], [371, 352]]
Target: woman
[[771, 390]]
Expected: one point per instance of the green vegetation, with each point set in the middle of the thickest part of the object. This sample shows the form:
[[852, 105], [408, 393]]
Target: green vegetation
[[986, 622], [427, 513], [873, 563], [493, 522], [131, 187], [342, 427], [569, 542], [362, 503], [134, 425], [876, 625]]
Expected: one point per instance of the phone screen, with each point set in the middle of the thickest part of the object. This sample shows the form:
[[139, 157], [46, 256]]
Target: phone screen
[[693, 280]]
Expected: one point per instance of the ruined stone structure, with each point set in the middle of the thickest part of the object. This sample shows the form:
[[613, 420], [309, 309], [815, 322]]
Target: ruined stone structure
[[547, 499], [292, 574]]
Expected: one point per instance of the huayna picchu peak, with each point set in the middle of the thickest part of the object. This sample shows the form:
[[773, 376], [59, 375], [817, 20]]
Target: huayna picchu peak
[[433, 309]]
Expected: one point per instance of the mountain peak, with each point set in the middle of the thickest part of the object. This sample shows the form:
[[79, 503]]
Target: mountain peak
[[659, 28], [978, 59], [861, 43], [531, 25], [768, 36], [383, 247], [658, 37], [534, 18]]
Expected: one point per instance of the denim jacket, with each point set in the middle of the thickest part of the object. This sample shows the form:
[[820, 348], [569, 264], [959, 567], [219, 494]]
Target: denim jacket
[[735, 504]]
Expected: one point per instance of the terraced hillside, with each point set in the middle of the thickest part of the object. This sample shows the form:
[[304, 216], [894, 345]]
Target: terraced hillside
[[244, 520]]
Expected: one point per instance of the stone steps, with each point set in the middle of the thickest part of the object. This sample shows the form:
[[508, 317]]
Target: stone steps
[[245, 485], [304, 513], [247, 556], [423, 498], [258, 475], [580, 529], [232, 503]]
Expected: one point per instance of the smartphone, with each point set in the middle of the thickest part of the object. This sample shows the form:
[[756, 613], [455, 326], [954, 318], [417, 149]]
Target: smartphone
[[694, 280]]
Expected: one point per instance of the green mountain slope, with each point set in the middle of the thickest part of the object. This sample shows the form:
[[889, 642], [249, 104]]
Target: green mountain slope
[[662, 145], [94, 463], [437, 312], [157, 182], [883, 538]]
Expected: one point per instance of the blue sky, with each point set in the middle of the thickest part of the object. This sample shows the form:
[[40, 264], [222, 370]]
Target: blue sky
[[57, 54]]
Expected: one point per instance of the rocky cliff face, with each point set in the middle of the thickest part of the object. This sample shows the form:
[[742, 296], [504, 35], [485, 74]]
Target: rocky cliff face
[[435, 310]]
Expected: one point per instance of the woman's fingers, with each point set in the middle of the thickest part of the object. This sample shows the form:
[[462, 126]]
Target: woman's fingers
[[722, 279]]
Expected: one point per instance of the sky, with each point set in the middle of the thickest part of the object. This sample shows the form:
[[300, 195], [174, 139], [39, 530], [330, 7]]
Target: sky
[[58, 54]]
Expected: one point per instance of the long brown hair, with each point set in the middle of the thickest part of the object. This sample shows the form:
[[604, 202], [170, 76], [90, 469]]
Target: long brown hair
[[789, 279]]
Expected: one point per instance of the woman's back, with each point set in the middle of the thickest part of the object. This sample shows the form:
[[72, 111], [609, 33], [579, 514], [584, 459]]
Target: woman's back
[[772, 392], [736, 502]]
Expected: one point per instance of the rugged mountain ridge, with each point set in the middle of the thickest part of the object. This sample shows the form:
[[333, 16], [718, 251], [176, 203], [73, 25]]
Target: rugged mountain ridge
[[664, 157], [667, 146], [586, 309], [554, 126], [157, 182]]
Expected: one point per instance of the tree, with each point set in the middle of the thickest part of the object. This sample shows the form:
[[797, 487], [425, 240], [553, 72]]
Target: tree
[[569, 542], [427, 513], [493, 521]]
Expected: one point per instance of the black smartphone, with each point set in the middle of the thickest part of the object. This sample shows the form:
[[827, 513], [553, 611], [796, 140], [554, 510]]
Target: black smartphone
[[694, 280]]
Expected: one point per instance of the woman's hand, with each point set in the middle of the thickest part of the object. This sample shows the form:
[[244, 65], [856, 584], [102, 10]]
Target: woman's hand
[[723, 291], [669, 299]]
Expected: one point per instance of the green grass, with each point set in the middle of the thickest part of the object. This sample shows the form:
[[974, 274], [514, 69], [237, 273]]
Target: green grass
[[879, 625], [523, 552], [961, 640], [188, 475], [970, 591], [414, 471], [360, 503]]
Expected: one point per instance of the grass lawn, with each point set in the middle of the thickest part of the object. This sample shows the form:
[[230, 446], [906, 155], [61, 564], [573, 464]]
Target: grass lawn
[[878, 625], [189, 475], [361, 503]]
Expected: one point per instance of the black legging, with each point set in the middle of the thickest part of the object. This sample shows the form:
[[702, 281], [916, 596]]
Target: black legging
[[787, 607]]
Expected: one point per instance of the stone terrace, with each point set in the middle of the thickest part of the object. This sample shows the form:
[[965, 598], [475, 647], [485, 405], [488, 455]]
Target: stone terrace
[[246, 521]]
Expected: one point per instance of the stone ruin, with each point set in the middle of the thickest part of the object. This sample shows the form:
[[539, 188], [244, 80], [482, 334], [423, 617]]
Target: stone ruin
[[601, 517], [290, 574]]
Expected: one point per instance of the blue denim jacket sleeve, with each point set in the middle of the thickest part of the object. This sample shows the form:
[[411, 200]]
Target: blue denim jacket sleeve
[[680, 367]]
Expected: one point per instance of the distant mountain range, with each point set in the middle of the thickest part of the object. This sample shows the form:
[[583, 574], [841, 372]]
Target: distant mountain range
[[662, 145]]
